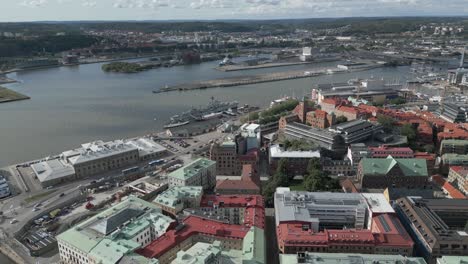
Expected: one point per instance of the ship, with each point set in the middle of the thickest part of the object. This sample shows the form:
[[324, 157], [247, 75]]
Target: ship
[[213, 110]]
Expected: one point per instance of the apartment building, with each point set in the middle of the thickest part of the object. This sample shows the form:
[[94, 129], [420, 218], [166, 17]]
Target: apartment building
[[200, 172]]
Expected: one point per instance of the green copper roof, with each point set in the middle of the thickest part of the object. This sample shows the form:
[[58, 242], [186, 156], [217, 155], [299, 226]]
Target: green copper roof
[[453, 260], [457, 142], [455, 159], [175, 196], [409, 167], [109, 251], [253, 246], [192, 169]]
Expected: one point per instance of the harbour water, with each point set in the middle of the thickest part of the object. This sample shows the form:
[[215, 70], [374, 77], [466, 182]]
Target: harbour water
[[5, 260], [74, 105]]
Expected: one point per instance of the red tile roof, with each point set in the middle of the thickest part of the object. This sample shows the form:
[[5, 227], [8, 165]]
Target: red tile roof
[[460, 170], [384, 151], [192, 225], [348, 186], [448, 187]]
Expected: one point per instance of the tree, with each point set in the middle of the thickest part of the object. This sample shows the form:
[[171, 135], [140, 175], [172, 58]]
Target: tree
[[429, 148], [398, 101], [386, 122], [268, 191], [281, 176], [408, 131], [341, 119], [314, 164]]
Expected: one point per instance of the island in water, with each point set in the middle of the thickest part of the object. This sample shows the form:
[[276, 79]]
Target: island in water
[[7, 95], [124, 67]]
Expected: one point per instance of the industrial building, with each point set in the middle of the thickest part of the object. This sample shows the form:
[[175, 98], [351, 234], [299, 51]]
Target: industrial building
[[323, 138], [4, 188], [337, 223], [114, 235], [436, 225], [201, 172]]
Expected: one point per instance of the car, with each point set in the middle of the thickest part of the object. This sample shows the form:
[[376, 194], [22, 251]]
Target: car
[[62, 194], [35, 209], [13, 221]]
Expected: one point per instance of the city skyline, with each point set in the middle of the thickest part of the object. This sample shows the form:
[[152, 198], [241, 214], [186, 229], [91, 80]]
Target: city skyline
[[59, 10]]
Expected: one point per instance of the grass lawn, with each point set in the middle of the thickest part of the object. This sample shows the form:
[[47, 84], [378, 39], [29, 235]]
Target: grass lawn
[[38, 196], [297, 185], [7, 95]]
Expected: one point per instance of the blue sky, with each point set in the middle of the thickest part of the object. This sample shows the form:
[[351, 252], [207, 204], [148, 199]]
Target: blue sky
[[34, 10]]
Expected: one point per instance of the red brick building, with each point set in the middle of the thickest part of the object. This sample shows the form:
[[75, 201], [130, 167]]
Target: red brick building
[[385, 151], [248, 184], [284, 120], [351, 113], [302, 109], [320, 119]]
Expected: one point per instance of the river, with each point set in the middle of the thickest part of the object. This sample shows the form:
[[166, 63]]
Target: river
[[74, 105], [5, 260]]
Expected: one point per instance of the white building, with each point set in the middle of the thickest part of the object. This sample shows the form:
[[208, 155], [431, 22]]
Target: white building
[[306, 54], [201, 172], [251, 132]]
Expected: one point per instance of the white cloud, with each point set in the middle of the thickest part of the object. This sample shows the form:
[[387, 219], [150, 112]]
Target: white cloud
[[154, 4], [89, 3]]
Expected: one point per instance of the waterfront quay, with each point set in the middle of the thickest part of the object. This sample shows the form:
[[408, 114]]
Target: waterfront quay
[[261, 78]]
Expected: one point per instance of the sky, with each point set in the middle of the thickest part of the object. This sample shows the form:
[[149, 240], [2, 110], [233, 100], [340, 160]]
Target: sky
[[71, 10]]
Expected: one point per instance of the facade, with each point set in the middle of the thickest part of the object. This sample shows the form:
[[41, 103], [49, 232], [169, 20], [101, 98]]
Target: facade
[[390, 172], [320, 119], [302, 109], [175, 199], [284, 120], [436, 226], [447, 188], [356, 131], [449, 159], [249, 183], [231, 155], [384, 152], [337, 167], [297, 160], [114, 234], [231, 223], [95, 158], [456, 146], [201, 172], [323, 138], [351, 113], [458, 176], [454, 112], [356, 152], [338, 223], [252, 134], [341, 258]]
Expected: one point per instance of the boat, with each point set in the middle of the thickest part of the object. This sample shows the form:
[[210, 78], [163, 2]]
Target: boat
[[214, 109], [280, 101]]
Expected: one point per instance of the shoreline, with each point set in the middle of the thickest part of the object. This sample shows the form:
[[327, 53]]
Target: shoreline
[[230, 68], [7, 95]]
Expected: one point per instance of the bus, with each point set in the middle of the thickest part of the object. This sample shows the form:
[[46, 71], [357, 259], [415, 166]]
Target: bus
[[131, 170], [156, 162]]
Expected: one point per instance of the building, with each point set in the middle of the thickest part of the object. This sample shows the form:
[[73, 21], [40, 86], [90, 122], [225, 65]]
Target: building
[[175, 199], [391, 172], [231, 223], [436, 226], [356, 152], [323, 138], [356, 131], [249, 183], [342, 258], [454, 146], [320, 119], [455, 76], [114, 234], [94, 158], [200, 253], [458, 176], [337, 223], [231, 155], [449, 159], [452, 260], [302, 109], [4, 188], [306, 54], [351, 113], [337, 168], [454, 112], [329, 104], [287, 119], [252, 134], [447, 188], [201, 172], [385, 151], [297, 161]]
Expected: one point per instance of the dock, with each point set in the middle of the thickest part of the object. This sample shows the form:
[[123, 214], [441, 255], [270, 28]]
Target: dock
[[261, 78], [242, 67], [7, 95]]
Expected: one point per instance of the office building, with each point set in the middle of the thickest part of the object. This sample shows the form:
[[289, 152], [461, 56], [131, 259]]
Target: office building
[[231, 155], [175, 199], [436, 225], [391, 172], [113, 235], [456, 146], [201, 172], [454, 112], [356, 131], [249, 183], [297, 161], [458, 176], [356, 152], [337, 168], [251, 133], [323, 138], [337, 223], [346, 258]]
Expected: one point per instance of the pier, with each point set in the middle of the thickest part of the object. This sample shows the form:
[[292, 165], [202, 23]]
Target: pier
[[241, 67], [261, 78]]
